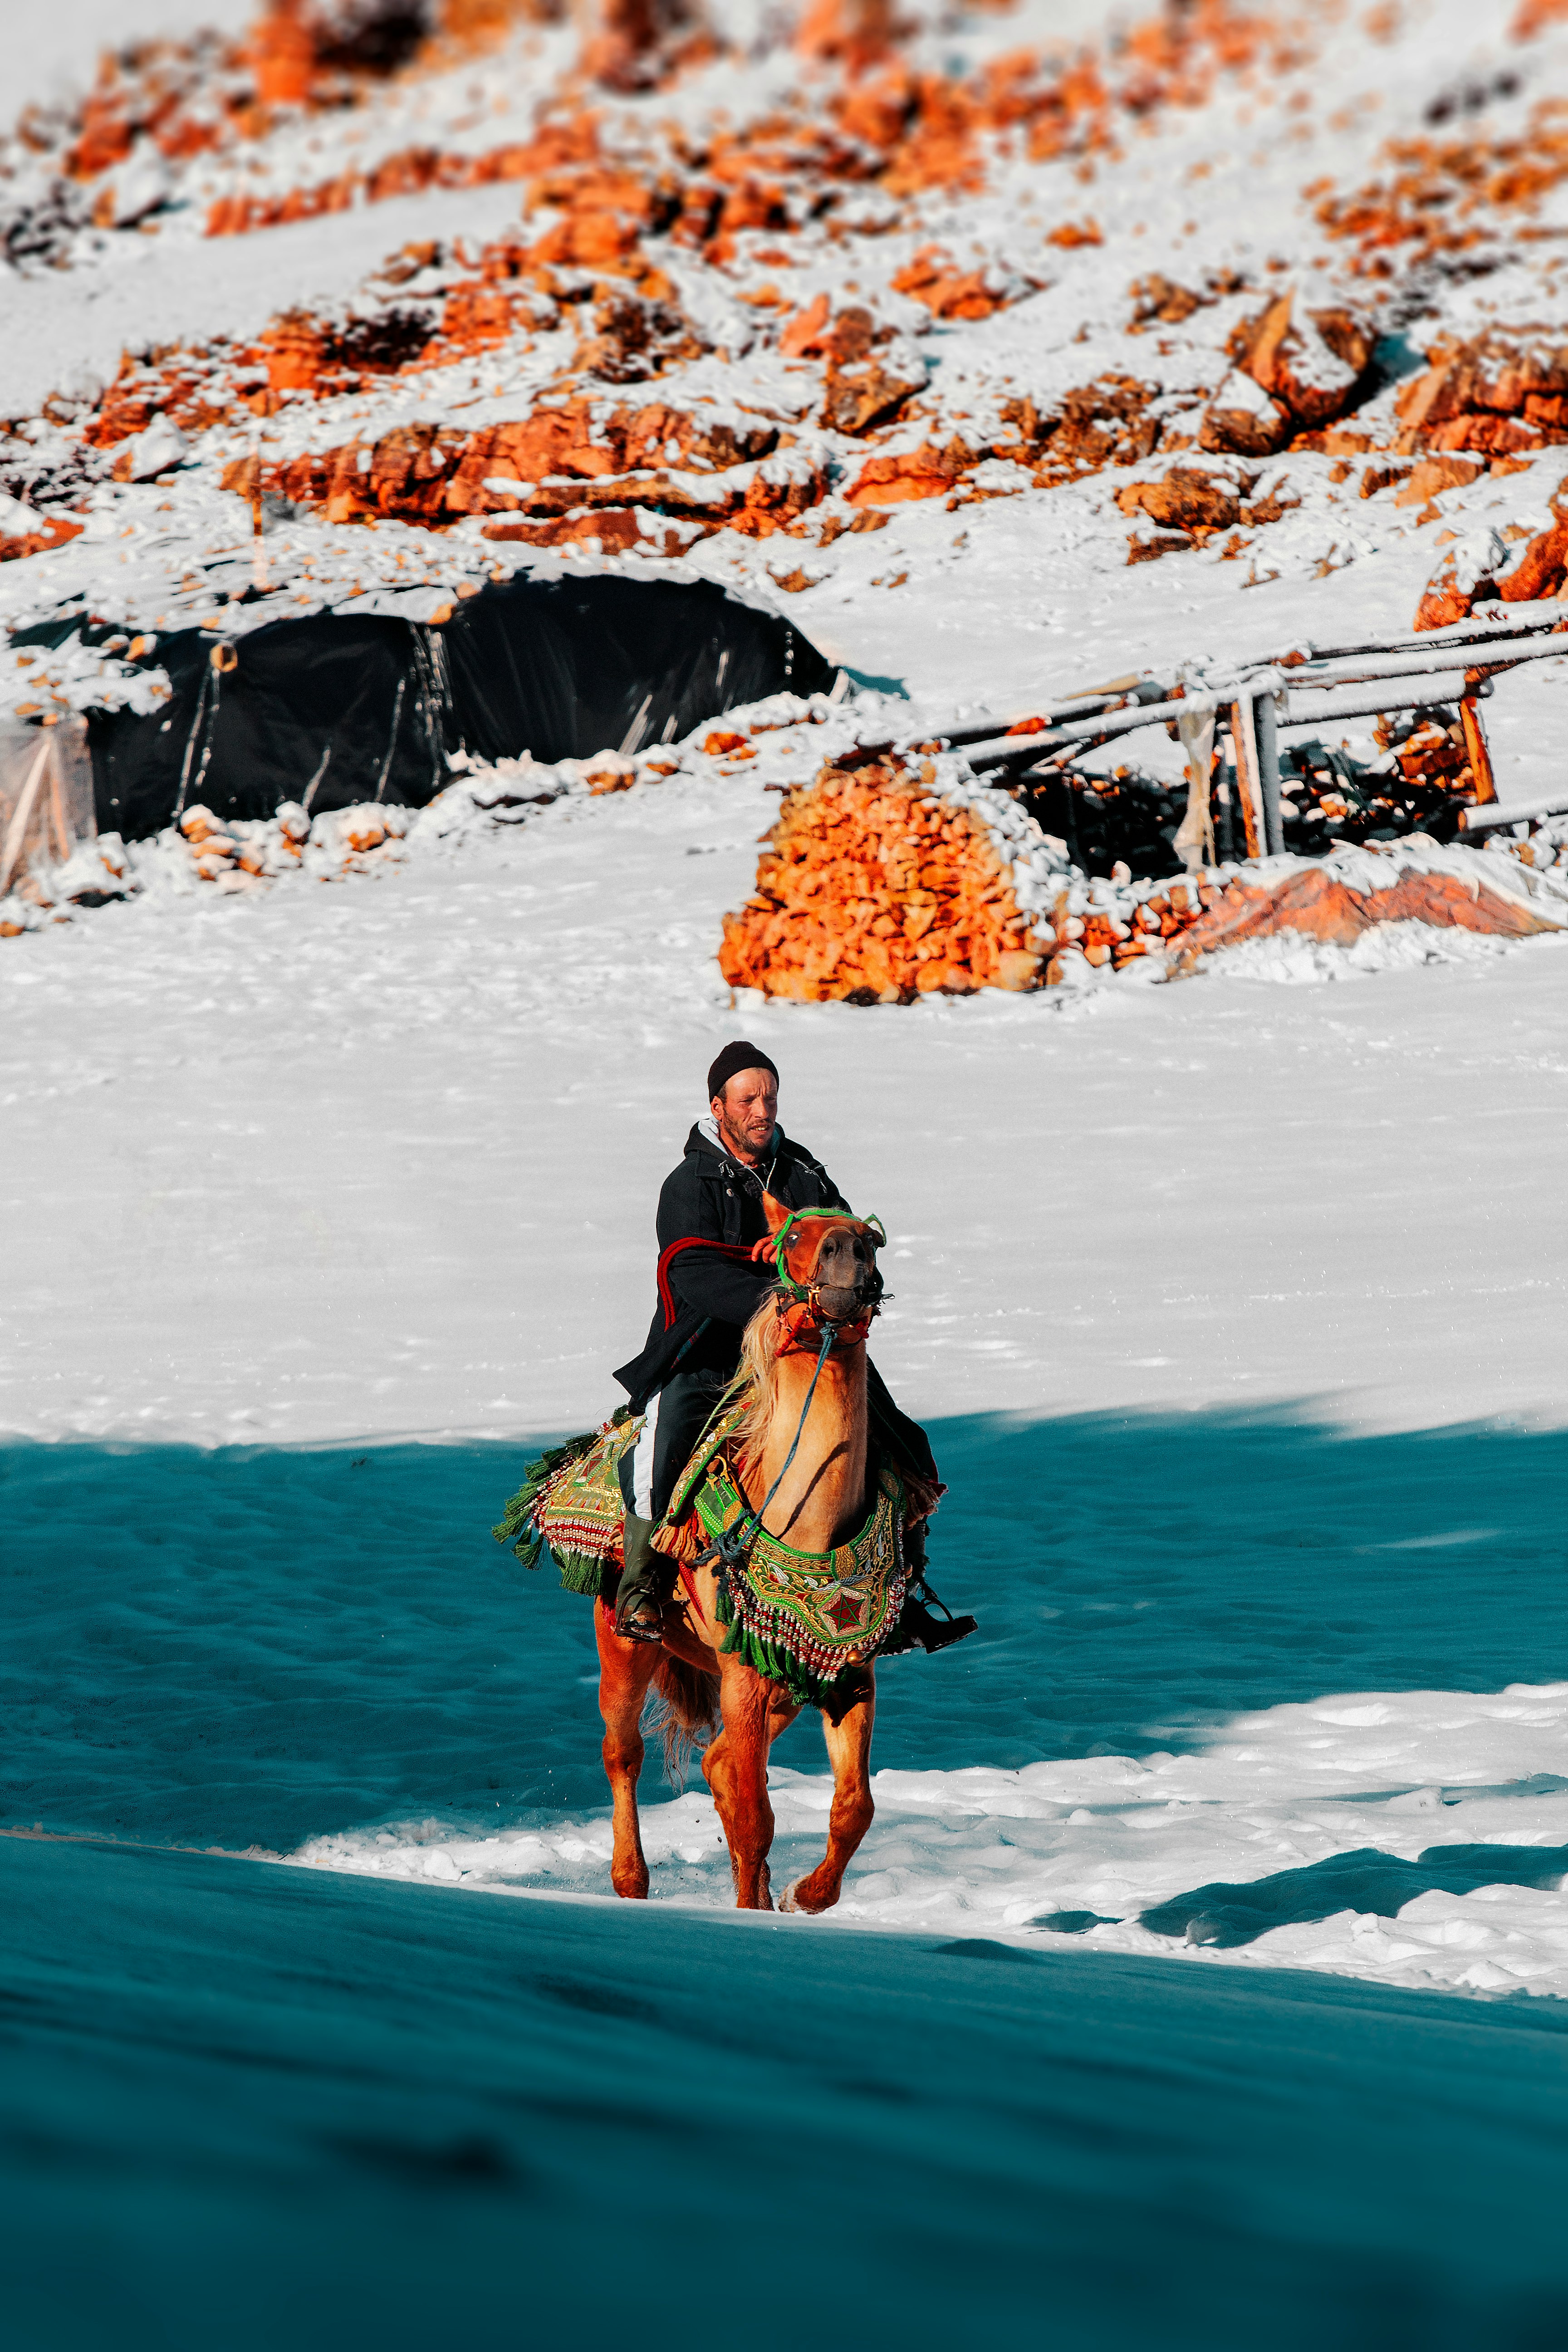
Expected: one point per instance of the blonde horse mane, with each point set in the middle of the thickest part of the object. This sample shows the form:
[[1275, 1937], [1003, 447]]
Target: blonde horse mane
[[756, 1382]]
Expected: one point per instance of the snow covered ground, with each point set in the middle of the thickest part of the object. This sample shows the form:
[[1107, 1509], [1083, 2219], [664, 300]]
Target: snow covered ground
[[298, 1175], [1134, 1853], [385, 1153], [249, 2106]]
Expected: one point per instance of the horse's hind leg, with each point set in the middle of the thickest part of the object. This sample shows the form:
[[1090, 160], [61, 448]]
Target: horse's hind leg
[[625, 1670], [735, 1767], [850, 1753]]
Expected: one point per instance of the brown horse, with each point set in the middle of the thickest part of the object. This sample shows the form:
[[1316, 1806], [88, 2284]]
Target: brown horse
[[821, 1500]]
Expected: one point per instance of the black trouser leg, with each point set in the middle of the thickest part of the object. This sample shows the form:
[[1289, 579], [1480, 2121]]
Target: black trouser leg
[[679, 1413]]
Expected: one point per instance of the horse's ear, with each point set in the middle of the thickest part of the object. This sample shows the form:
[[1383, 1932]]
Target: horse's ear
[[776, 1213]]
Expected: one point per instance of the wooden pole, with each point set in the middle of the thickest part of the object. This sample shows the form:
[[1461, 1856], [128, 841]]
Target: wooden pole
[[1195, 840], [1245, 742], [16, 833], [1476, 746], [58, 800], [1265, 712]]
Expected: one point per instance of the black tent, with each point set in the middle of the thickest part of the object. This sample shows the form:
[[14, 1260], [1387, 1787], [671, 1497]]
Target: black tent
[[340, 708]]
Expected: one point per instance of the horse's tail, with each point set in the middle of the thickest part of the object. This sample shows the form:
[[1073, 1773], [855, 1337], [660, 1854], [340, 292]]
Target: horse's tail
[[683, 1714]]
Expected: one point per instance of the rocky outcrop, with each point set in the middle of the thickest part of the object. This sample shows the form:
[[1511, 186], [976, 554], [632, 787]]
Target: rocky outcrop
[[1192, 502], [1322, 905], [1294, 371], [947, 291], [1488, 566], [870, 372], [1496, 396], [281, 54], [19, 538], [570, 459]]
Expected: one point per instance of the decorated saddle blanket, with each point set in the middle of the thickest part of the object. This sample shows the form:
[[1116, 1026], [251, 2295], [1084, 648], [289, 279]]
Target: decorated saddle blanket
[[571, 1500], [808, 1620]]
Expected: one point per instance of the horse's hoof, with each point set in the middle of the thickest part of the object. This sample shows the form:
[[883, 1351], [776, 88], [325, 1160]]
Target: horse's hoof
[[799, 1899]]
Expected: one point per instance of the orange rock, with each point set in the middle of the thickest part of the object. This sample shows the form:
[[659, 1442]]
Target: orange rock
[[1537, 572], [865, 394], [106, 130], [590, 238], [1431, 476], [1494, 396], [621, 34], [296, 347], [856, 29], [798, 335], [923, 472], [613, 530], [1187, 500], [947, 291], [878, 112], [562, 459], [52, 533], [1321, 907], [1307, 367]]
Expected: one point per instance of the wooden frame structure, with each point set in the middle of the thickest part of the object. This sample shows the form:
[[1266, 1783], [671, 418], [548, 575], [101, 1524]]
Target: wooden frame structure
[[1301, 691]]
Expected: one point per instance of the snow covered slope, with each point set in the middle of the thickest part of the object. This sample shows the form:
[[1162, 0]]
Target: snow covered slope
[[249, 2106], [981, 302], [295, 1174]]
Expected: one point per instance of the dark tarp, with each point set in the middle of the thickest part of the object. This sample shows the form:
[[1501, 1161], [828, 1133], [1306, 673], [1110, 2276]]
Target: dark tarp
[[308, 703], [339, 709], [565, 667]]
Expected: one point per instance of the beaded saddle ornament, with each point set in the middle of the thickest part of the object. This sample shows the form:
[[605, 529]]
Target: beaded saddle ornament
[[805, 1618]]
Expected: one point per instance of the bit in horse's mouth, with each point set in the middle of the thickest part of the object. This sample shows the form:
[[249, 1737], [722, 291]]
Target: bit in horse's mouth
[[842, 1306]]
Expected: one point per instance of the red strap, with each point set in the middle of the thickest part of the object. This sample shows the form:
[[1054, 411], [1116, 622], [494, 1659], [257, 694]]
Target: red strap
[[693, 1241]]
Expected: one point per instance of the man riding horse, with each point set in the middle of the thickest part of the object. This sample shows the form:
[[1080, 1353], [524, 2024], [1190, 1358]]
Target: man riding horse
[[764, 1464], [712, 1276]]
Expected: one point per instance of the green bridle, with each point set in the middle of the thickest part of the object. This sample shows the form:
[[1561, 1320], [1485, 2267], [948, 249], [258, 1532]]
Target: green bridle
[[800, 1290]]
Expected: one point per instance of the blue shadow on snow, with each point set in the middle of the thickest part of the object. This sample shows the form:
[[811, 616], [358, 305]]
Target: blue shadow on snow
[[253, 1646]]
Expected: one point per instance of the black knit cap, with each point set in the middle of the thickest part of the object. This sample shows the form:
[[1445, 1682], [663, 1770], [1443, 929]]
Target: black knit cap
[[739, 1056]]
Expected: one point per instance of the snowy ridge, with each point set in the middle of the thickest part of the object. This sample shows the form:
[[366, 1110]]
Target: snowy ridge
[[1116, 265], [1287, 1816]]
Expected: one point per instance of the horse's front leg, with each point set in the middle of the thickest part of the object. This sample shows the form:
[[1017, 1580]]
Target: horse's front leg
[[625, 1670], [735, 1767], [850, 1753]]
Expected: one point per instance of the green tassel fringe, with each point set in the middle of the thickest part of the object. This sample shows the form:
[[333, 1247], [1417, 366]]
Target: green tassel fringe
[[515, 1525], [579, 1573], [833, 1692]]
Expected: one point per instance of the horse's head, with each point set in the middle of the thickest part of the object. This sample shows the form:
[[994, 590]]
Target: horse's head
[[827, 1262]]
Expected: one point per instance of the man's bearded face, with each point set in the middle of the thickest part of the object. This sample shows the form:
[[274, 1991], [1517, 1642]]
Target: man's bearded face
[[747, 1112]]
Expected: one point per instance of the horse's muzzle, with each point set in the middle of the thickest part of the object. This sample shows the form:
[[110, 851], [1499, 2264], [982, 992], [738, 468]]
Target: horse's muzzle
[[847, 1305]]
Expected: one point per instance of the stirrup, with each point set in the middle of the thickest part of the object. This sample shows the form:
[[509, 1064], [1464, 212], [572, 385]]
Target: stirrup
[[932, 1633], [629, 1628]]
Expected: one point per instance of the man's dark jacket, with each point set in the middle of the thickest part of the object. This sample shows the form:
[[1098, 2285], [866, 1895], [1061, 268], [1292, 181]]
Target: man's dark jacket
[[706, 1300], [712, 1197]]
